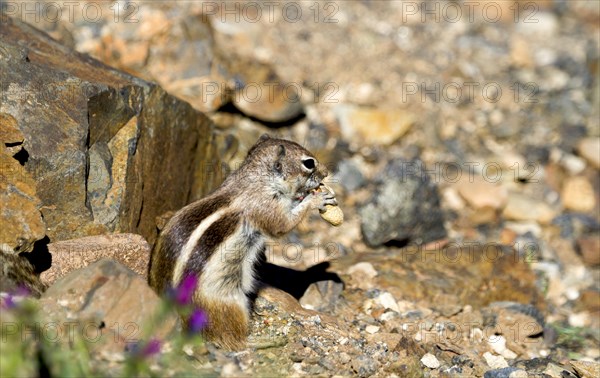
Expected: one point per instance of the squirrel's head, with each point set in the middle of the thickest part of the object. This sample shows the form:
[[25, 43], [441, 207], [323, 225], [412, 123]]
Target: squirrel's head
[[293, 170]]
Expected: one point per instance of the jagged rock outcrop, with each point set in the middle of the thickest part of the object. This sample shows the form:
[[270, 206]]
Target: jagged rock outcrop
[[108, 152]]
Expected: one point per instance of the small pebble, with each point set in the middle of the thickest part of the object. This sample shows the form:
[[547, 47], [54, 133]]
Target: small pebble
[[387, 301], [495, 362], [589, 148], [372, 329], [430, 361], [363, 268], [498, 345]]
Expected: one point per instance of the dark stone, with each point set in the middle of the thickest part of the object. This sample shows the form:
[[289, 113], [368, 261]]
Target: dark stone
[[500, 373], [405, 207], [535, 365], [364, 366], [537, 154], [574, 225], [349, 176]]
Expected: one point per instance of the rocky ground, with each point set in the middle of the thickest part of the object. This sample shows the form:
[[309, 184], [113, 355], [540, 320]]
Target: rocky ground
[[464, 141]]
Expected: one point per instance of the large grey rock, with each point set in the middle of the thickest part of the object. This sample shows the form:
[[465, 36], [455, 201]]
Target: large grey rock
[[405, 206], [108, 152]]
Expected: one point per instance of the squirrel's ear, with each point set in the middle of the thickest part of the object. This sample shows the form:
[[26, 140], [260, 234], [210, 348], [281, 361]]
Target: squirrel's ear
[[280, 155], [280, 151], [264, 137]]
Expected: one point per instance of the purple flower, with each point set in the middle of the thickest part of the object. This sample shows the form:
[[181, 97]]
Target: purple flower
[[11, 299], [151, 348], [198, 321], [22, 291], [185, 290], [9, 302]]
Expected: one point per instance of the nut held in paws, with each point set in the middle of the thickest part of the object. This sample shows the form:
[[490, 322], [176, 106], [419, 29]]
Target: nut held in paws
[[333, 215]]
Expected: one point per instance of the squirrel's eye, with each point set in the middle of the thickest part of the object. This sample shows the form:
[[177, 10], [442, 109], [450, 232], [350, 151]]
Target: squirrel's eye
[[309, 163]]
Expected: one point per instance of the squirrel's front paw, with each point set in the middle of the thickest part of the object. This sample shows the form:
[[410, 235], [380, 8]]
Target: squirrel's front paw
[[328, 206], [326, 198]]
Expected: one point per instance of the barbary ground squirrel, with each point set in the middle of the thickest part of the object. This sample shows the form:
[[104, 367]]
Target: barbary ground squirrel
[[219, 237]]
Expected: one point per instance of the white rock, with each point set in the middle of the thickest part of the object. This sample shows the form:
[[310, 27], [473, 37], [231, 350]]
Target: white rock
[[367, 306], [495, 362], [521, 207], [518, 374], [572, 293], [364, 268], [452, 199], [497, 343], [581, 319], [430, 361], [540, 25], [405, 306], [387, 316], [476, 334], [63, 302], [573, 164], [372, 125], [592, 353], [544, 57], [589, 148], [509, 354], [578, 194], [372, 329], [230, 369], [297, 367], [387, 301], [521, 228], [188, 349], [554, 371], [480, 193]]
